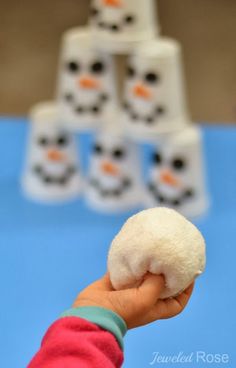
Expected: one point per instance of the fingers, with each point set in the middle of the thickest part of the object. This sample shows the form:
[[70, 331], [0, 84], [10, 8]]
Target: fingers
[[151, 289], [171, 307], [189, 289], [184, 297]]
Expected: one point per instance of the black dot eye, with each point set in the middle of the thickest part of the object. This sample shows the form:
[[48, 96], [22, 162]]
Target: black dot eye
[[95, 110], [118, 153], [152, 77], [68, 97], [126, 105], [129, 19], [72, 66], [189, 193], [98, 67], [102, 25], [157, 159], [104, 97], [134, 117], [114, 28], [37, 169], [43, 141], [130, 72], [62, 140], [150, 120], [178, 164], [80, 109], [97, 149], [94, 12], [160, 110]]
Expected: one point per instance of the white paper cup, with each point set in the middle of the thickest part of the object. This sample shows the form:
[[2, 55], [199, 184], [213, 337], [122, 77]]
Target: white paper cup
[[86, 92], [120, 25], [154, 94], [114, 181], [176, 176], [51, 172]]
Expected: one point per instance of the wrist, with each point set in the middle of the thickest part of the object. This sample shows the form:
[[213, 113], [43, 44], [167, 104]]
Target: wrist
[[102, 317]]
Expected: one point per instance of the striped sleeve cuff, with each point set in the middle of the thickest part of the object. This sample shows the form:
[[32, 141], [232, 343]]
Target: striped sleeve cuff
[[103, 318]]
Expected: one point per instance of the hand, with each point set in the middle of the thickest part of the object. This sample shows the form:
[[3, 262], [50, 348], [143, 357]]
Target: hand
[[137, 306]]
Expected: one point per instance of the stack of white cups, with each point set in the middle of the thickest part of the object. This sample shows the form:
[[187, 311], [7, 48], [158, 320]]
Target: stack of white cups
[[153, 110]]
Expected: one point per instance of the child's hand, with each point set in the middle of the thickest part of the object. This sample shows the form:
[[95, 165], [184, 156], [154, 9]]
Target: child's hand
[[137, 306]]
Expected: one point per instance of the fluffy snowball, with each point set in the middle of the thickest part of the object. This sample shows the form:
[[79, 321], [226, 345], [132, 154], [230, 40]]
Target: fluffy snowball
[[160, 241]]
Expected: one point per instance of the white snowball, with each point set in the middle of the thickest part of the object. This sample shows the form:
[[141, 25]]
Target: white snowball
[[160, 241]]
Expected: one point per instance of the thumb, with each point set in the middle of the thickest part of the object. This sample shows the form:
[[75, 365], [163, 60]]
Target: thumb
[[151, 288]]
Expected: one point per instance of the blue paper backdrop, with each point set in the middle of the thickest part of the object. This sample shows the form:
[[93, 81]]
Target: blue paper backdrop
[[47, 254]]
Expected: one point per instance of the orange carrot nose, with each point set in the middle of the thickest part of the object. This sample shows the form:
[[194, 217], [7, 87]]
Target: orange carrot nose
[[109, 168], [142, 92], [114, 3], [88, 83], [168, 178], [55, 156]]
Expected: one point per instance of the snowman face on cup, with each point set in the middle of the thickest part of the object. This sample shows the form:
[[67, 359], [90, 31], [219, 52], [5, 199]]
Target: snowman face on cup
[[144, 102], [51, 172], [52, 160], [86, 90], [86, 78], [113, 16], [154, 96], [110, 168], [177, 175], [171, 182]]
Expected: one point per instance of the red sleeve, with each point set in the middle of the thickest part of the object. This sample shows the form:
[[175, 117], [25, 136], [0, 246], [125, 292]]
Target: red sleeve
[[73, 342]]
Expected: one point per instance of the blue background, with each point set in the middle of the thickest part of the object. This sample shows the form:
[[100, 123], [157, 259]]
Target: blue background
[[48, 254]]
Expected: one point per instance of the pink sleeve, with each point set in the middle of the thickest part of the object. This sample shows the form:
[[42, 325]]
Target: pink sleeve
[[74, 342]]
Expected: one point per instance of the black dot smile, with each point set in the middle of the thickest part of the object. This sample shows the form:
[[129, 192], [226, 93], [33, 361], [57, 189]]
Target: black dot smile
[[127, 21], [172, 202], [149, 120]]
